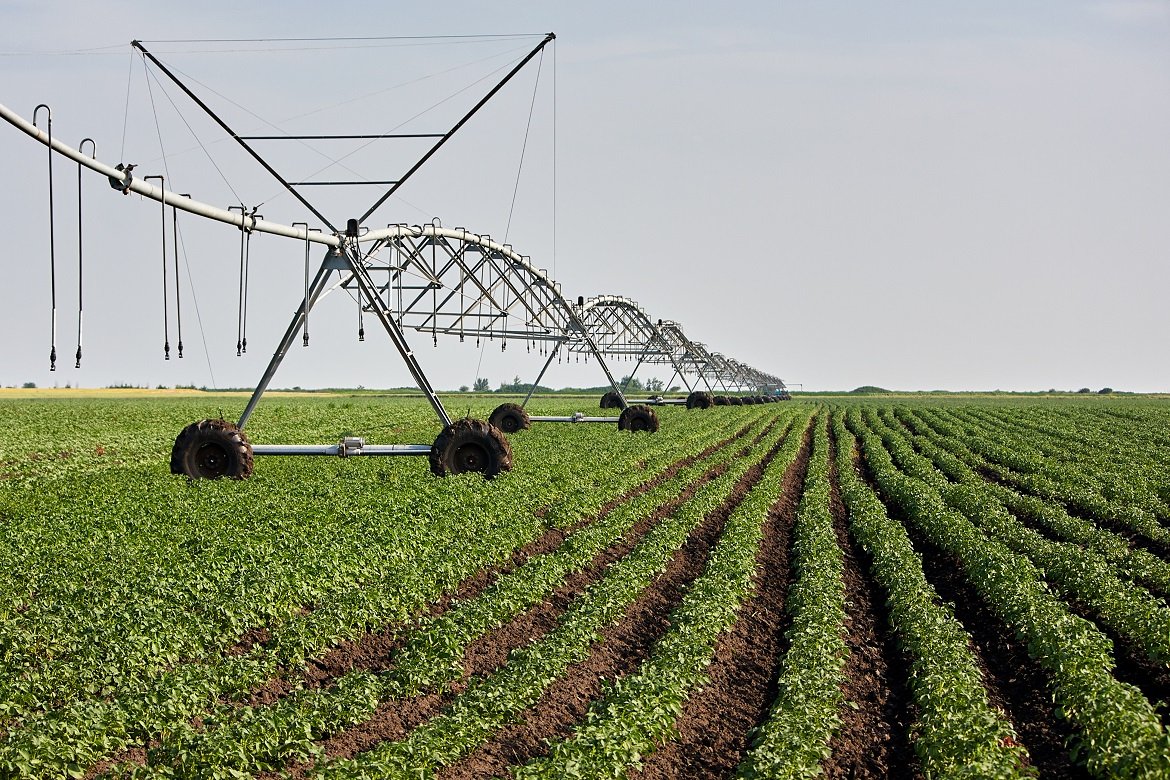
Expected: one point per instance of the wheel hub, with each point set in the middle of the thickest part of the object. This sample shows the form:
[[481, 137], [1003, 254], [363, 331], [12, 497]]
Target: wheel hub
[[212, 460], [470, 457]]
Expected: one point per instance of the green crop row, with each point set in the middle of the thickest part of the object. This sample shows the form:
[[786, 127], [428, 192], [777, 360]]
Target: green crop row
[[1014, 461], [794, 739], [1073, 571], [1119, 467], [1118, 732], [957, 732]]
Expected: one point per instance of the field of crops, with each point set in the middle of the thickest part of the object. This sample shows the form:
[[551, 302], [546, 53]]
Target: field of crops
[[872, 588]]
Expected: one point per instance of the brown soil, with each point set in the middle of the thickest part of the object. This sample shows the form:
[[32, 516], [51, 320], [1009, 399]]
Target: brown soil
[[135, 755], [622, 648]]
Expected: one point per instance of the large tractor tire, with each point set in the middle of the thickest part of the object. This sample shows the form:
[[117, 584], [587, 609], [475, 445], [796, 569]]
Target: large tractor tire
[[700, 399], [510, 418], [735, 400], [638, 418], [210, 449], [721, 400], [470, 445], [611, 400]]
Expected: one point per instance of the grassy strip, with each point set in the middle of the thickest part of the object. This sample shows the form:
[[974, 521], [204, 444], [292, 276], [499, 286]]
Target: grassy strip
[[489, 702], [637, 712], [1119, 733], [957, 731]]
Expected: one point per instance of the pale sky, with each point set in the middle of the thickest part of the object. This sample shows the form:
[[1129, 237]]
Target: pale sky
[[915, 195]]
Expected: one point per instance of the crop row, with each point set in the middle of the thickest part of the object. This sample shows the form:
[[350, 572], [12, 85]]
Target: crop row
[[1119, 732], [1116, 458], [1012, 459], [1134, 562], [957, 730], [1075, 572]]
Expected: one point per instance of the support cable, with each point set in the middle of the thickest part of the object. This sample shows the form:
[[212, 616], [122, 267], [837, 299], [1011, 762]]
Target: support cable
[[523, 147], [198, 314], [126, 110], [52, 245], [191, 130], [554, 161]]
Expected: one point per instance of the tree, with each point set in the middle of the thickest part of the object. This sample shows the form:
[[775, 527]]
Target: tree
[[463, 388], [631, 384], [1105, 391], [29, 385], [1084, 390], [482, 385], [654, 384]]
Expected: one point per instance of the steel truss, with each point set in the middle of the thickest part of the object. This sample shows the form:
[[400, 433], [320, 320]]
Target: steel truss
[[621, 328]]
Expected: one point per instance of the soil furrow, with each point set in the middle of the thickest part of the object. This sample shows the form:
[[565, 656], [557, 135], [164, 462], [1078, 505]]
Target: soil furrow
[[622, 648], [716, 726], [873, 741]]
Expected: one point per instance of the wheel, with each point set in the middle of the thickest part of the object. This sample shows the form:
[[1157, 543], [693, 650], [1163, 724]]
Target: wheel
[[210, 449], [700, 399], [510, 418], [611, 400], [638, 418], [721, 400], [470, 445], [735, 400]]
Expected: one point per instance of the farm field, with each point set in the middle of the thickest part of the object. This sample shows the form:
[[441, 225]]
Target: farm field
[[856, 587]]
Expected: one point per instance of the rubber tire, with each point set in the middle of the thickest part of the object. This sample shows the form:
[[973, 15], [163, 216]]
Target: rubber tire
[[211, 449], [734, 400], [510, 418], [721, 400], [611, 400], [638, 417], [470, 445], [700, 399]]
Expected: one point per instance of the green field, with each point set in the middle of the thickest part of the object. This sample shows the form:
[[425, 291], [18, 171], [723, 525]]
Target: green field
[[882, 586]]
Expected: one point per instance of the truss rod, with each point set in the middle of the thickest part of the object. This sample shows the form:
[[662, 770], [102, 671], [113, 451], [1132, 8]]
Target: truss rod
[[447, 136], [255, 155]]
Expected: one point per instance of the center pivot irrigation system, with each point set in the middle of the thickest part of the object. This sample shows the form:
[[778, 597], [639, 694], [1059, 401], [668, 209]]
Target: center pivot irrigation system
[[430, 280]]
